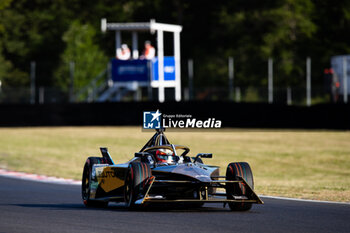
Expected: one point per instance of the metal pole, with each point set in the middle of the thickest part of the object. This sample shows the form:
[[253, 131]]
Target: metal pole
[[177, 66], [190, 78], [308, 81], [135, 50], [186, 94], [231, 77], [270, 80], [150, 88], [161, 94], [109, 74], [32, 81], [90, 95], [345, 80], [238, 94], [289, 96], [118, 39], [71, 86], [41, 95], [93, 96]]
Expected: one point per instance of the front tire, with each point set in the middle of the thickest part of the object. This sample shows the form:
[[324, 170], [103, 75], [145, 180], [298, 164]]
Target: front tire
[[136, 182], [243, 170], [86, 182]]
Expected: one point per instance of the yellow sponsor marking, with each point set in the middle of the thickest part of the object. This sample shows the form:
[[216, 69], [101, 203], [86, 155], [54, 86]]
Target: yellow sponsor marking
[[108, 179]]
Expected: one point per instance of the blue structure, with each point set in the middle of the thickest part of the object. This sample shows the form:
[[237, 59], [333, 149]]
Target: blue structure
[[143, 71], [169, 69], [341, 66], [130, 70], [132, 74]]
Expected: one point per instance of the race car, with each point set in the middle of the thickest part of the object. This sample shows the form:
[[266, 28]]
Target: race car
[[162, 172]]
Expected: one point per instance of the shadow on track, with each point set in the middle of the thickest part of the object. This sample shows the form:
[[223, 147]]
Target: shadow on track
[[121, 208]]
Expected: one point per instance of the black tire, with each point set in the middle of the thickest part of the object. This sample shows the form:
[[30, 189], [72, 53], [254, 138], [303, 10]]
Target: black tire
[[241, 169], [136, 181], [86, 181]]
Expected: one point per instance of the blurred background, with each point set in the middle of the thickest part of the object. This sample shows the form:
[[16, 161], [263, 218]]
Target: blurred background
[[55, 52]]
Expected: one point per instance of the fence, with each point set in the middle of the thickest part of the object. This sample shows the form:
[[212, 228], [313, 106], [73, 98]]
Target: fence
[[306, 93]]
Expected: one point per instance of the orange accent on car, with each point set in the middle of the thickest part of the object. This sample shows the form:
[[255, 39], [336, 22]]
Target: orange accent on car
[[238, 173], [242, 186]]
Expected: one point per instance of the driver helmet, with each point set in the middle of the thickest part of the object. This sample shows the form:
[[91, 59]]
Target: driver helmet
[[165, 156]]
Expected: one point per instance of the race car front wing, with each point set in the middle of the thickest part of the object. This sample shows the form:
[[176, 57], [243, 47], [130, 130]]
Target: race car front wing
[[216, 197]]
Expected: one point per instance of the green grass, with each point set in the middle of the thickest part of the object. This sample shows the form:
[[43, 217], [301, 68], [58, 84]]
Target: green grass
[[303, 164]]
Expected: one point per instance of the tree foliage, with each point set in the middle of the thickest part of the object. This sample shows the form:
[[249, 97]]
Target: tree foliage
[[9, 75], [250, 31], [82, 50]]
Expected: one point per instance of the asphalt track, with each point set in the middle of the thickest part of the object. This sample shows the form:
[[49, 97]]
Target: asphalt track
[[27, 206]]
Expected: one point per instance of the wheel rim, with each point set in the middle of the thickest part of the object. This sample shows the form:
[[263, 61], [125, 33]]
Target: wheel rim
[[128, 190], [86, 185]]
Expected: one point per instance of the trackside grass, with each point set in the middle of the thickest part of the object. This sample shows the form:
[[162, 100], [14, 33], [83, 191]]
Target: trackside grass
[[302, 164]]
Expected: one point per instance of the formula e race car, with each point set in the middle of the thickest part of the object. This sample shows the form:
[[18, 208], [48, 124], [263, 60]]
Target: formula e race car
[[162, 172]]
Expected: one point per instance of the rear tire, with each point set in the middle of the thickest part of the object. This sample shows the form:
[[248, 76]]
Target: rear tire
[[86, 182], [136, 181], [243, 170]]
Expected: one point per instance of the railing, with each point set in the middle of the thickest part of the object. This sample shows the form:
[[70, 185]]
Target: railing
[[281, 95], [90, 91]]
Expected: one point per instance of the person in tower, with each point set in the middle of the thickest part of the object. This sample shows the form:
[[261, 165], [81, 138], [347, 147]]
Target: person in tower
[[149, 51], [123, 53]]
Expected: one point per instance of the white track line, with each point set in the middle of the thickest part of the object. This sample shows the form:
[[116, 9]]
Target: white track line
[[56, 180], [38, 178], [304, 200]]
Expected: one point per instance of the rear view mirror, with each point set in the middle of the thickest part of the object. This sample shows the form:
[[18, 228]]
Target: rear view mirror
[[146, 158], [205, 155], [141, 154]]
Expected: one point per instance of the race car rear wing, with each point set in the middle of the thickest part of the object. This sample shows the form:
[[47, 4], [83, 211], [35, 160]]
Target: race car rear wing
[[106, 155]]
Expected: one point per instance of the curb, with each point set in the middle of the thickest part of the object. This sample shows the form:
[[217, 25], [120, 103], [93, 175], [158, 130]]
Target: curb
[[38, 178], [304, 200]]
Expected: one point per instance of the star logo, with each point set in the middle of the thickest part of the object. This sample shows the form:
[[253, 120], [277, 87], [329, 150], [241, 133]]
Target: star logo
[[151, 120], [156, 115]]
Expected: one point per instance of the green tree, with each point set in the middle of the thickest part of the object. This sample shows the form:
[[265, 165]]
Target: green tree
[[251, 31], [4, 65], [332, 37], [32, 31], [256, 30], [3, 4], [81, 49], [289, 26], [9, 75]]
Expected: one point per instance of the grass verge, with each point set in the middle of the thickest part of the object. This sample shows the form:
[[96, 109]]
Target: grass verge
[[301, 164]]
